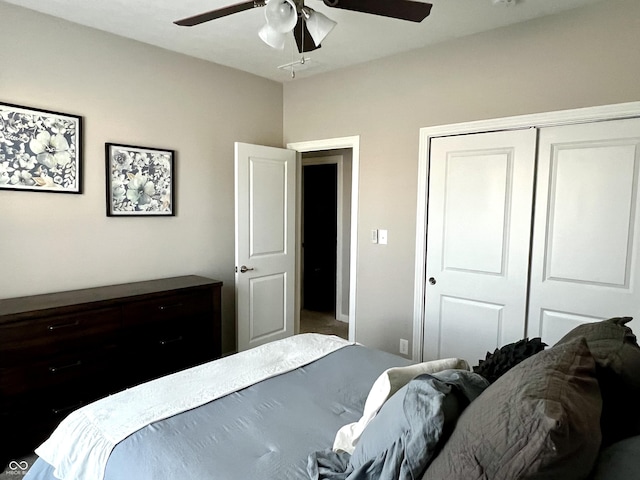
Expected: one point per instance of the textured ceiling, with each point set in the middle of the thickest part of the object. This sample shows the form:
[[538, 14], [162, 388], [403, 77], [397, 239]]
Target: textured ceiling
[[233, 41]]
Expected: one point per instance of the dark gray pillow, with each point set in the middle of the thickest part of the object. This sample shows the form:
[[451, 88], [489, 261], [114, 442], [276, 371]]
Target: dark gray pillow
[[540, 420], [620, 461], [617, 355]]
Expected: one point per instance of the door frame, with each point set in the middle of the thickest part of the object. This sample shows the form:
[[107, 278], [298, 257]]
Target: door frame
[[538, 120], [353, 143], [338, 161]]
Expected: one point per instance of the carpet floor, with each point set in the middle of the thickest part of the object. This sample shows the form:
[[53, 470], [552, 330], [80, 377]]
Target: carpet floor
[[323, 322]]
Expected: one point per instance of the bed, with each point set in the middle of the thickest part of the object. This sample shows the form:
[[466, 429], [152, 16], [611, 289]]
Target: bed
[[264, 430], [350, 413]]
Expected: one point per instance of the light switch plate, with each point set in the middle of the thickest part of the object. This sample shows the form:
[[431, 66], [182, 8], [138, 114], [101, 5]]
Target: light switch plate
[[382, 237], [374, 236]]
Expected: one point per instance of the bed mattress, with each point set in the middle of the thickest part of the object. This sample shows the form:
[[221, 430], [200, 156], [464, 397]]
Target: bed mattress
[[265, 431]]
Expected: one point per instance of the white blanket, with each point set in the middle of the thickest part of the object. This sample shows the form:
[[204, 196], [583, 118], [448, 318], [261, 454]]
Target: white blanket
[[80, 447]]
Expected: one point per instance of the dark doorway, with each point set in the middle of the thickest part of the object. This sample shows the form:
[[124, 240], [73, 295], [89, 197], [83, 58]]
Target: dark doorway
[[319, 237]]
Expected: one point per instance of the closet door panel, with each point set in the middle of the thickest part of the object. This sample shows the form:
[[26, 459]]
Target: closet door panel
[[476, 200], [469, 326], [478, 239], [584, 257], [590, 200], [554, 325]]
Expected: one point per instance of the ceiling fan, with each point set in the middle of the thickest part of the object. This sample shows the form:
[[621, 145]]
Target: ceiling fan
[[310, 27]]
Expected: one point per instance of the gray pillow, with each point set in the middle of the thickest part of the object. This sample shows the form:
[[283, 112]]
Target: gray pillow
[[540, 420], [617, 355]]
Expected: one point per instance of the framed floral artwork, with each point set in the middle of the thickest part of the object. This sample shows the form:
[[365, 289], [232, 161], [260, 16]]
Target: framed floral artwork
[[140, 181], [40, 150]]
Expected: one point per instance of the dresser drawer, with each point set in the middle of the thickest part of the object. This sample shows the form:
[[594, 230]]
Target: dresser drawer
[[168, 307], [58, 334], [30, 419], [170, 346], [29, 427], [88, 371]]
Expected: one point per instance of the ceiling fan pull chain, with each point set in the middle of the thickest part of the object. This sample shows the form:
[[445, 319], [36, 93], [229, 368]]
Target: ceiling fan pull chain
[[293, 62]]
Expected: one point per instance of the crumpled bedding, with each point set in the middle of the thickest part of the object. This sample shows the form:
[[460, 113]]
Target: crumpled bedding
[[388, 383], [408, 432]]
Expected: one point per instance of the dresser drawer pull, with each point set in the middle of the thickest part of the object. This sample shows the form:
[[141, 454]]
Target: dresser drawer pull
[[63, 325], [65, 367], [58, 411], [168, 307], [171, 340]]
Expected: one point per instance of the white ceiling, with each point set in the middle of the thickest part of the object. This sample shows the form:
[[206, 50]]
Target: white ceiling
[[233, 41]]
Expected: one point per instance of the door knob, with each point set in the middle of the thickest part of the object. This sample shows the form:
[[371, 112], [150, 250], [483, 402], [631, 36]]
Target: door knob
[[432, 281], [245, 269]]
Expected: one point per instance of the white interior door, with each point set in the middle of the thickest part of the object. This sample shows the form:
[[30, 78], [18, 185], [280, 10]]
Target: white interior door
[[585, 247], [265, 203], [478, 242]]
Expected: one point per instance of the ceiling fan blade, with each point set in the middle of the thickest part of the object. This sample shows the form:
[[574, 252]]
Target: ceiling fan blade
[[308, 45], [220, 12], [400, 9]]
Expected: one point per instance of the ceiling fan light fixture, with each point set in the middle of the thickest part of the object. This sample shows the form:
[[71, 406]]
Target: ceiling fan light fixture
[[272, 37], [281, 15], [319, 26]]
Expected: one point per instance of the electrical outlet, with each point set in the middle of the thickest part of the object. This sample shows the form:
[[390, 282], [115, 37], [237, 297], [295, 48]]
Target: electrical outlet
[[404, 346]]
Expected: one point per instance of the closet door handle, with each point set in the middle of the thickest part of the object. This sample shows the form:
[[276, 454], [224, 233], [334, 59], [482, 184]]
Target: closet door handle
[[432, 281], [245, 269]]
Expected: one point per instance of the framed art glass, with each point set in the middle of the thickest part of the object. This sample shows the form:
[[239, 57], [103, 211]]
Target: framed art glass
[[40, 150], [140, 181]]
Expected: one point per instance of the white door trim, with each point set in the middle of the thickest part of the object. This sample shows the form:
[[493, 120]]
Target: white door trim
[[334, 144], [336, 160], [562, 117]]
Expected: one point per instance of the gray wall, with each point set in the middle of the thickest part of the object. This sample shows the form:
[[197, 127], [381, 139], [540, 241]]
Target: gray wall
[[586, 57], [131, 93]]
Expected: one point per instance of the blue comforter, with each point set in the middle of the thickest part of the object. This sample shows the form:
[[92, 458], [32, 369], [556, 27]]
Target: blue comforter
[[264, 431]]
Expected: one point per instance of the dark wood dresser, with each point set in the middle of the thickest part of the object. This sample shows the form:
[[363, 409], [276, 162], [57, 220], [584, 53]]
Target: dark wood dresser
[[62, 350]]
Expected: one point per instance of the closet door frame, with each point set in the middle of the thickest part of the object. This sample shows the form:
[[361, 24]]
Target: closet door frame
[[561, 117]]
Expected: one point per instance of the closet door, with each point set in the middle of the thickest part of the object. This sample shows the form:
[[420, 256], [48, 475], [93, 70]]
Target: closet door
[[586, 227], [478, 241]]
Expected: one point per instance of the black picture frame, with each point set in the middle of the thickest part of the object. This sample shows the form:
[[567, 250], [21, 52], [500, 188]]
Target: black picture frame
[[40, 150], [140, 181]]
